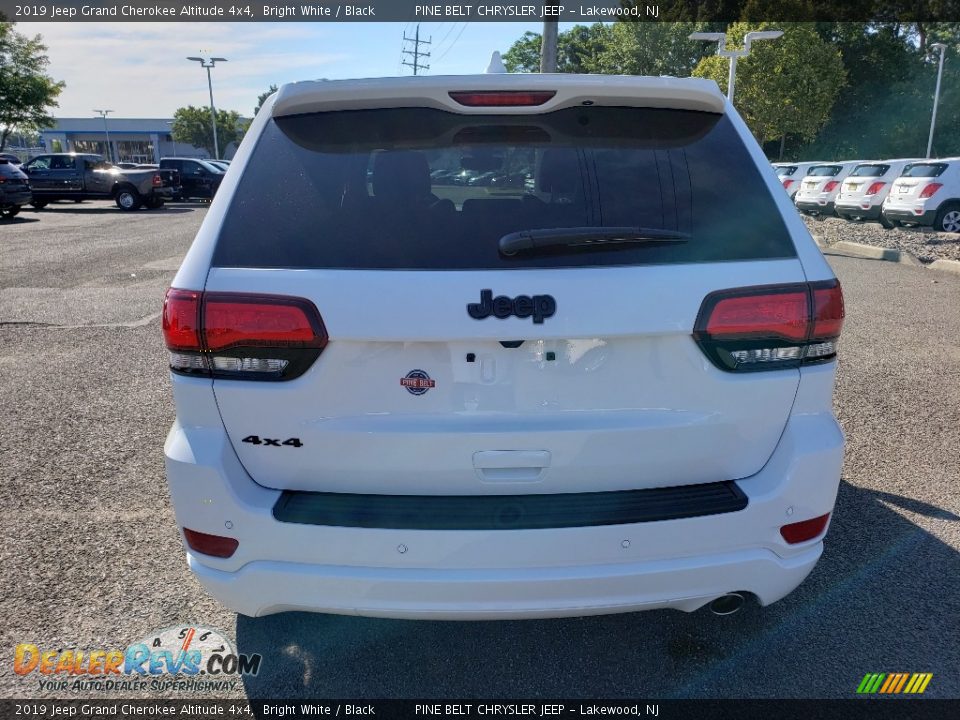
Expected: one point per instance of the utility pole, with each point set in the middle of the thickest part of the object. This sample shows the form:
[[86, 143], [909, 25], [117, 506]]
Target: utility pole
[[548, 47], [417, 42], [936, 95]]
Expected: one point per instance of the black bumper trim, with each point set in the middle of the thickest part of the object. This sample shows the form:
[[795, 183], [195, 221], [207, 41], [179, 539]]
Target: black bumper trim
[[508, 512]]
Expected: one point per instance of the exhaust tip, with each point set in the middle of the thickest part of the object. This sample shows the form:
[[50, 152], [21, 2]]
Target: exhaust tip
[[727, 604]]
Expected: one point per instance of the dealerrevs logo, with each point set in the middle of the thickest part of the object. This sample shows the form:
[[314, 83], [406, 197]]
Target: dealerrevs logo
[[183, 657]]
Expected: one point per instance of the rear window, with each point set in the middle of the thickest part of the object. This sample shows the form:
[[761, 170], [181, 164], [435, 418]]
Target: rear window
[[10, 170], [418, 188], [870, 171], [824, 170], [786, 170], [924, 170]]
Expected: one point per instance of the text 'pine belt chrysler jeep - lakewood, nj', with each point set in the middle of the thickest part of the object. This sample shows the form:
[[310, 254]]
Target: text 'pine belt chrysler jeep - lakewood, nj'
[[500, 346]]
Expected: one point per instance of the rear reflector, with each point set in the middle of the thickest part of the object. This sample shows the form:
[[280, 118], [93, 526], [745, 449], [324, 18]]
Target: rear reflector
[[771, 326], [215, 545], [787, 183], [930, 189], [157, 180], [242, 337], [830, 186], [502, 98], [799, 532], [874, 188]]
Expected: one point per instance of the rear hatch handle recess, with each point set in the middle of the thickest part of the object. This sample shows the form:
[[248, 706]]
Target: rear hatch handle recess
[[585, 237]]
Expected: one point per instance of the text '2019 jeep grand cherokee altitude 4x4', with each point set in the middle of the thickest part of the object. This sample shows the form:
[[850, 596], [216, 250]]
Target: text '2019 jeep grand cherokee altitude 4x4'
[[602, 386]]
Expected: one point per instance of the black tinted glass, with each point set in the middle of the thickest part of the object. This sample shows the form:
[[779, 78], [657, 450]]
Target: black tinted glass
[[416, 188], [870, 171], [924, 170], [824, 170]]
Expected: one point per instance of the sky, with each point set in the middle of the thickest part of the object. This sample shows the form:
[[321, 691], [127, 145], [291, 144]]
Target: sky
[[140, 70]]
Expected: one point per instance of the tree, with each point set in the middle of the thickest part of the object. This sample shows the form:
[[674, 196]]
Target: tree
[[192, 125], [26, 91], [784, 87], [577, 50], [262, 97], [652, 48]]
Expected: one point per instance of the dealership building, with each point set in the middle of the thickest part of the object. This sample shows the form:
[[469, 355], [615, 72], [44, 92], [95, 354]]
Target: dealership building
[[135, 140]]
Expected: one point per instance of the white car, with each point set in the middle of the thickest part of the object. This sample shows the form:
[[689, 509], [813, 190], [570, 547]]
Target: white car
[[862, 194], [820, 186], [926, 193], [791, 174], [594, 395]]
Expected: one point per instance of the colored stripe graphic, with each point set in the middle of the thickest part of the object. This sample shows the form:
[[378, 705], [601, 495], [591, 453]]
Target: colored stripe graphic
[[894, 683]]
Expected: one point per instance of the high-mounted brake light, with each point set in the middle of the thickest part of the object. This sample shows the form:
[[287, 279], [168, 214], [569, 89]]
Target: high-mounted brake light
[[874, 188], [502, 98], [240, 336], [930, 189], [771, 326], [831, 185]]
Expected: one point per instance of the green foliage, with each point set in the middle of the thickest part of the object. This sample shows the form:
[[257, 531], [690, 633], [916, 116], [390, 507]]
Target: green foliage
[[652, 48], [192, 125], [27, 93], [783, 87], [577, 50], [262, 97]]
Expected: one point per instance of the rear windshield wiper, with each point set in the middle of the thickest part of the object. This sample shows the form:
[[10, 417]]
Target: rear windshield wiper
[[587, 237]]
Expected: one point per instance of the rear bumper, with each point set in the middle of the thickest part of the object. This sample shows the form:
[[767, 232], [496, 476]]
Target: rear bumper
[[907, 215], [266, 587], [15, 199], [856, 211], [824, 207], [476, 574]]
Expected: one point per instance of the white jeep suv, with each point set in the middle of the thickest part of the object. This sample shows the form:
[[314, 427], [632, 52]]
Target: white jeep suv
[[604, 387], [926, 193]]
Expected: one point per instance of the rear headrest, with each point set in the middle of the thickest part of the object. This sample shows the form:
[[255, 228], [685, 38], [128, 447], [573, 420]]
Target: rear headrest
[[400, 174], [559, 171]]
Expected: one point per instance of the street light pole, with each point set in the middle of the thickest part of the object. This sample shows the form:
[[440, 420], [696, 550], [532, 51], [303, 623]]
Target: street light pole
[[210, 63], [103, 114], [936, 95], [734, 55]]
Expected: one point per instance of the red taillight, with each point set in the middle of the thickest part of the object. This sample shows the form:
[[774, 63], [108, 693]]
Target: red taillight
[[830, 186], [239, 336], [874, 188], [215, 545], [502, 98], [770, 327], [181, 320], [260, 321], [804, 530], [787, 183], [157, 180], [930, 189]]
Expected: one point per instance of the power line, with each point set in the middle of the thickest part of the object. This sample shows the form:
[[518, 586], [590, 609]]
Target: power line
[[416, 53], [453, 26], [453, 43]]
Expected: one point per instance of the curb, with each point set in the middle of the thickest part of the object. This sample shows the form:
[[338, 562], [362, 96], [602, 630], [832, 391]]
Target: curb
[[872, 252], [946, 265]]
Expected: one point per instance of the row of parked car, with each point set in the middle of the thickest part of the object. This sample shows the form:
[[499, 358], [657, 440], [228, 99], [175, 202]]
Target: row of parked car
[[79, 176], [904, 191]]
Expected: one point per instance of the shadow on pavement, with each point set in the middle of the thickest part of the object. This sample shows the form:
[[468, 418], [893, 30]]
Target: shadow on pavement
[[18, 220], [882, 598], [79, 209]]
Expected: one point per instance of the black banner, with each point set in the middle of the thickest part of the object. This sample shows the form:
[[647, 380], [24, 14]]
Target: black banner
[[854, 709], [588, 11]]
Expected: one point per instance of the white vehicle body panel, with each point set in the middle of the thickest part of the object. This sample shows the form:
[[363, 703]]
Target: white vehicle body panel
[[852, 196], [812, 193]]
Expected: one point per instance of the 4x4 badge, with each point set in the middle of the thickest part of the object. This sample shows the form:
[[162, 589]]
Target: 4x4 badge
[[523, 306], [417, 382]]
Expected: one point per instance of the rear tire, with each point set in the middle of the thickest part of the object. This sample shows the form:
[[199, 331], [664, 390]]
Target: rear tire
[[153, 203], [128, 199], [10, 212], [39, 204], [948, 218], [887, 222]]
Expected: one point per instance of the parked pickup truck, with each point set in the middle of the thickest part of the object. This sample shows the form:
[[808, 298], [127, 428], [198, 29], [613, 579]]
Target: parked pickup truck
[[76, 176]]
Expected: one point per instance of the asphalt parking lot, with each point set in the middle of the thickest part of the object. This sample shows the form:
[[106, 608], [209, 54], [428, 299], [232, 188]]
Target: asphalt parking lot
[[91, 556]]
